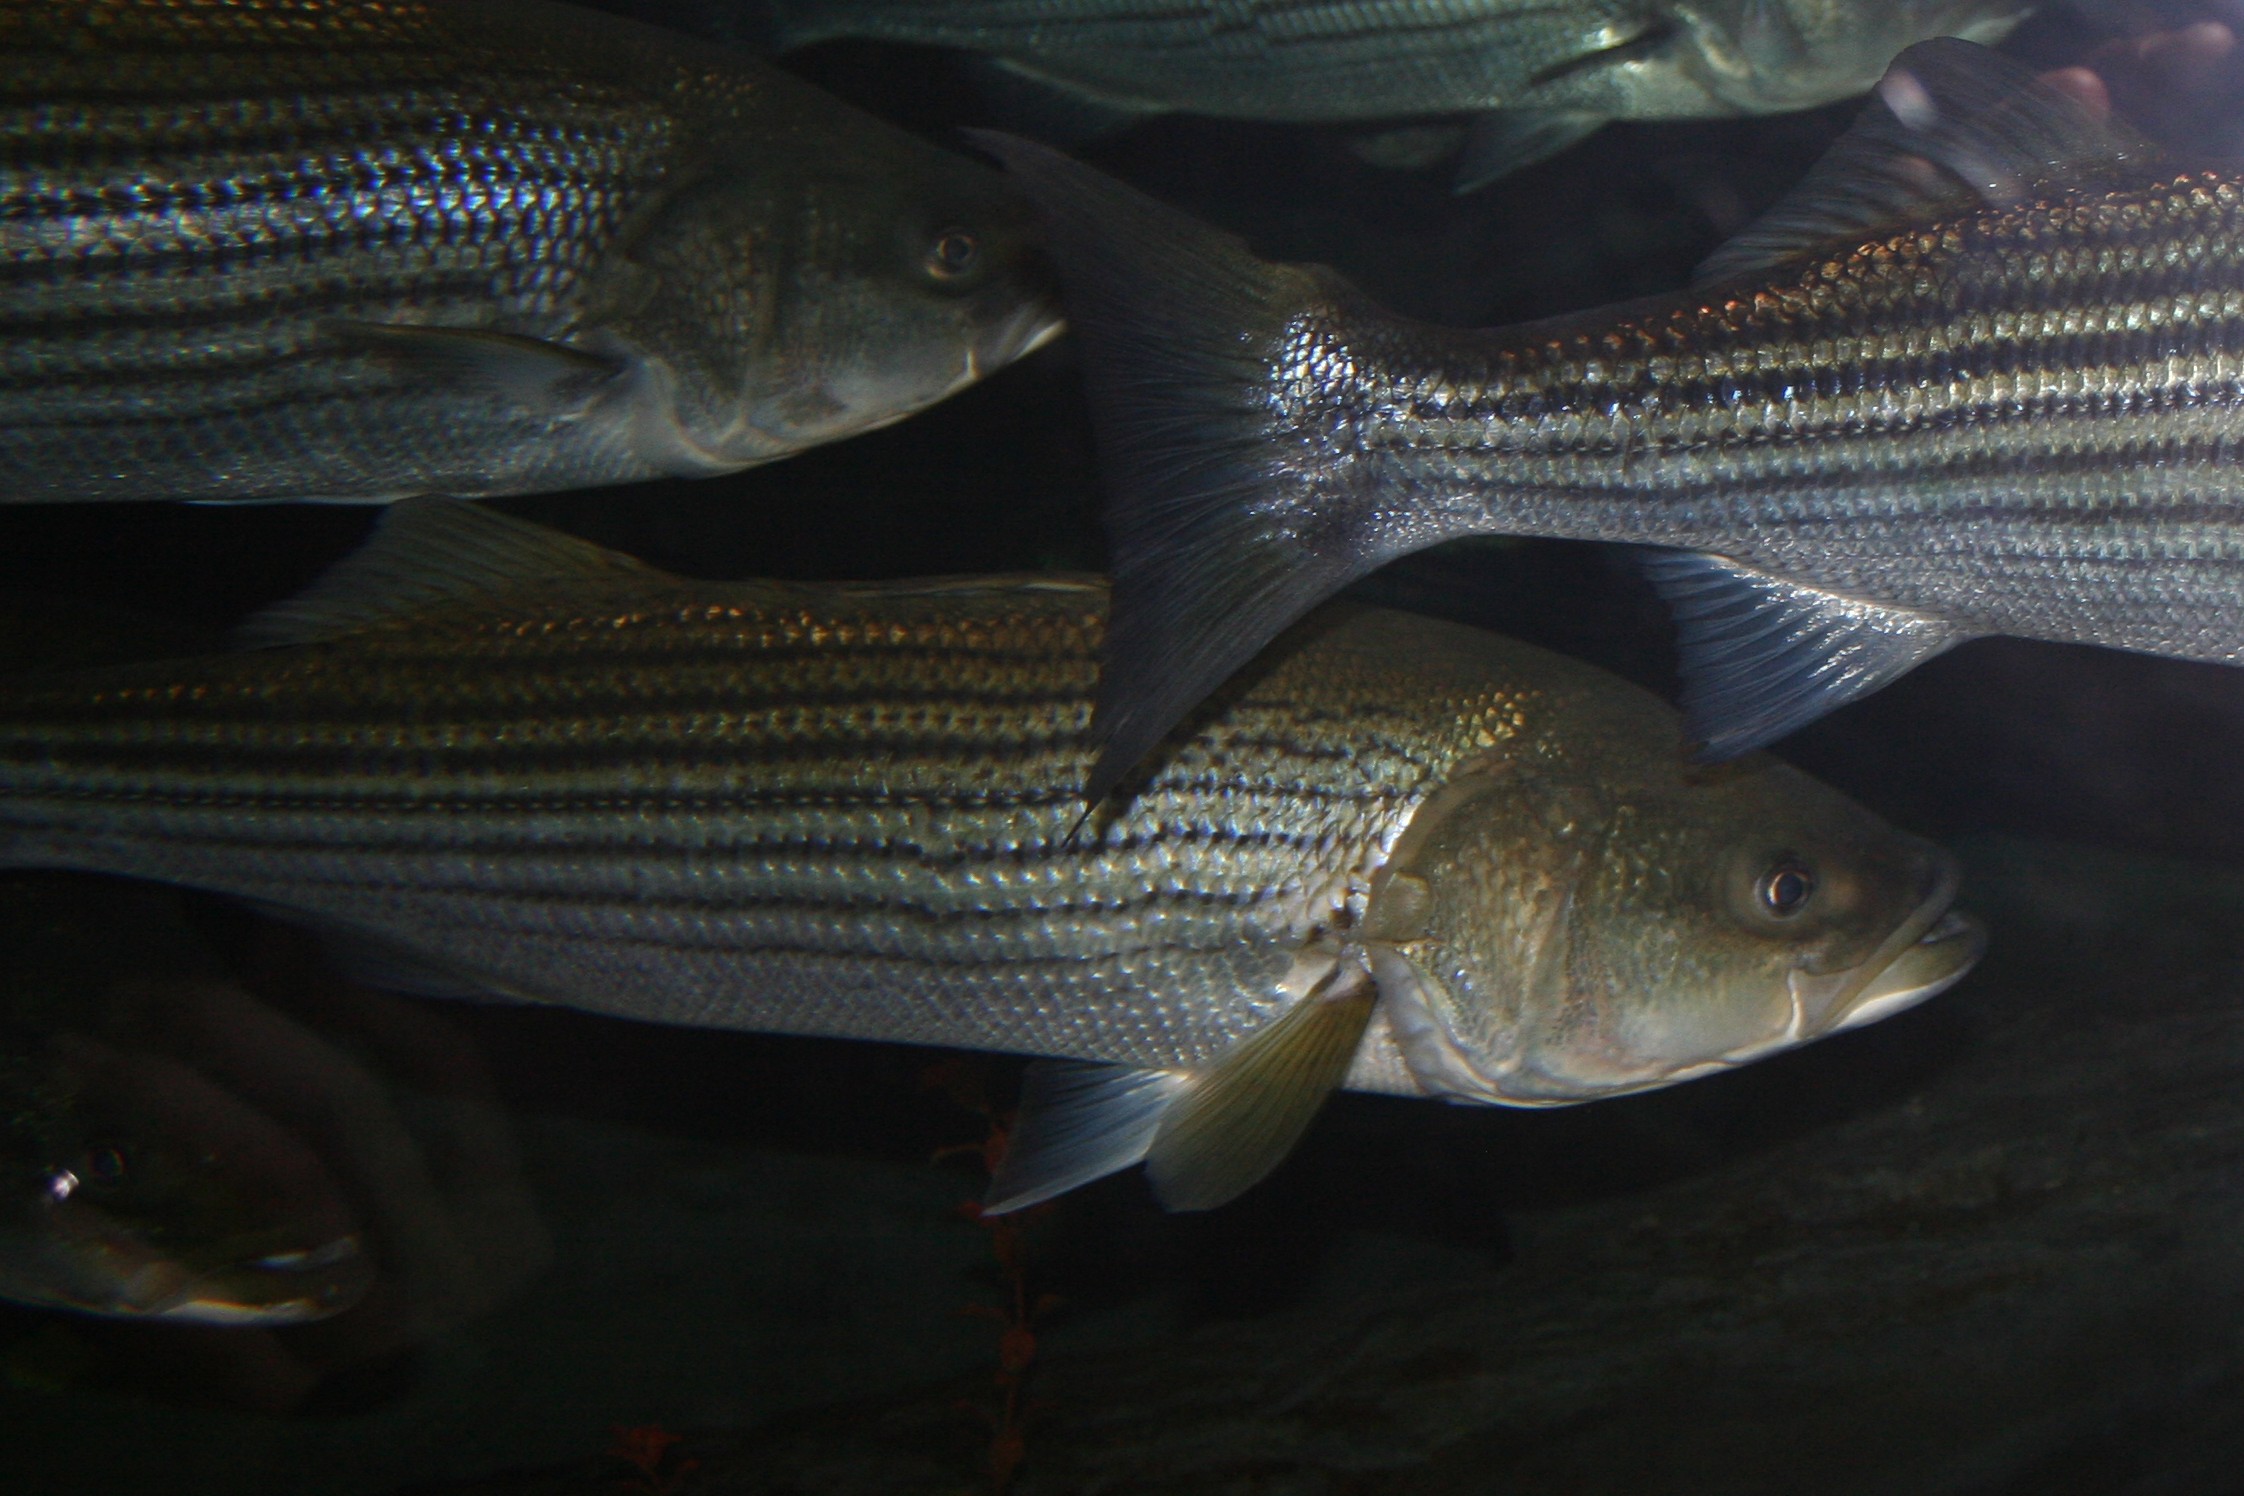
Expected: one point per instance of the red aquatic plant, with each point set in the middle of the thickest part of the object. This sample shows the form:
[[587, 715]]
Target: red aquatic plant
[[1020, 1309], [646, 1449]]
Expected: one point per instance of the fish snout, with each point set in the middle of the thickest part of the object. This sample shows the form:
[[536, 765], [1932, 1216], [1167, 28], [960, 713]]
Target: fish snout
[[1927, 953], [1013, 331]]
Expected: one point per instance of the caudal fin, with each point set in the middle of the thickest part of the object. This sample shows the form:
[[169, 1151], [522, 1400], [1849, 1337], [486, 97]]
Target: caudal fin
[[1216, 534]]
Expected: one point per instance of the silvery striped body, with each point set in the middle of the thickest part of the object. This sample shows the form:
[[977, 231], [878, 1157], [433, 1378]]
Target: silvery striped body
[[1980, 373], [828, 811], [2027, 422], [223, 224]]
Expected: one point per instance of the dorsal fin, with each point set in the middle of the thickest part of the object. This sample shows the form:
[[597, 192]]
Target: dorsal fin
[[428, 553], [1954, 126]]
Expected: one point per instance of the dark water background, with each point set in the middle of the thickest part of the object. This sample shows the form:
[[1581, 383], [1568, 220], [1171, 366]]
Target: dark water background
[[1990, 1245]]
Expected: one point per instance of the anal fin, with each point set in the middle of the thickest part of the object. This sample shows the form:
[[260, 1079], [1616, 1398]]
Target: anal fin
[[1763, 656]]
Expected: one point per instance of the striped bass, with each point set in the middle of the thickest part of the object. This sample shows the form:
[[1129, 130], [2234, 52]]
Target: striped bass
[[1547, 72], [1408, 857], [1980, 375], [342, 249]]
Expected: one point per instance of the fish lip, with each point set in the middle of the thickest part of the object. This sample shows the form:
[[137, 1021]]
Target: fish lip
[[293, 1286], [1926, 954], [1014, 336], [1941, 957]]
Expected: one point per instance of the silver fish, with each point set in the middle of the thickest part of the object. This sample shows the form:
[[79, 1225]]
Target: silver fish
[[1979, 375], [1410, 857], [1552, 70], [357, 249]]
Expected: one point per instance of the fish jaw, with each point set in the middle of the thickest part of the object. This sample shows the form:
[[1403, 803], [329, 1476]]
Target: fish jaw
[[1931, 950], [91, 1262], [1886, 982], [1941, 957]]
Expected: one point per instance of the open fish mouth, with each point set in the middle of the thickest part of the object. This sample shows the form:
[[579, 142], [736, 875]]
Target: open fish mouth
[[1926, 954], [1013, 337], [1937, 960], [108, 1268], [283, 1288]]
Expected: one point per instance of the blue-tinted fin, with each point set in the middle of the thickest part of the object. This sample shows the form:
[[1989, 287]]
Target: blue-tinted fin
[[1507, 140], [1078, 1122], [1217, 536], [1239, 1119], [1762, 656], [549, 380], [428, 553], [1954, 127]]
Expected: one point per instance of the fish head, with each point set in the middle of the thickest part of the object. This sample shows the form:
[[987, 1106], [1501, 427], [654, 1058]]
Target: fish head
[[1557, 944], [786, 315], [130, 1188], [1763, 56]]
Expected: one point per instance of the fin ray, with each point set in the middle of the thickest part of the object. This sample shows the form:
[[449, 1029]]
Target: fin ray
[[1078, 1122], [1239, 1119], [1953, 126], [551, 380], [1217, 544], [1762, 656], [427, 553]]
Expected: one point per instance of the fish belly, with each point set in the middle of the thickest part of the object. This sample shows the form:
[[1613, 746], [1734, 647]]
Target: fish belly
[[195, 198]]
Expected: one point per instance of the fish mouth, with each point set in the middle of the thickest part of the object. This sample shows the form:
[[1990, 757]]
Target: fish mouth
[[282, 1288], [1936, 961], [1013, 336], [1926, 954], [106, 1268]]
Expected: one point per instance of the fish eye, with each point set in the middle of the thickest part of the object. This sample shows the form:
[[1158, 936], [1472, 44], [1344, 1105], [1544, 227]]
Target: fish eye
[[1786, 888], [954, 253]]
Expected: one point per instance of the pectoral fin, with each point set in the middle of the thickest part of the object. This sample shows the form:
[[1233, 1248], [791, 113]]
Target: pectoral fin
[[1206, 1135], [1236, 1121], [1762, 656], [546, 379]]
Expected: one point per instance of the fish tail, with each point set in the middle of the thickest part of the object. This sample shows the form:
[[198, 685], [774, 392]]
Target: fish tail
[[1215, 539]]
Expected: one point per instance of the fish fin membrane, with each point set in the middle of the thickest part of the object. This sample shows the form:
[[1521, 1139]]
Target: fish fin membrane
[[549, 380], [1214, 534], [429, 553], [1078, 1122], [1954, 127], [1507, 140], [1762, 656], [1240, 1118]]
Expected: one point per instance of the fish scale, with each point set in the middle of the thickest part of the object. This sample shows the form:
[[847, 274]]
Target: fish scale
[[1980, 374], [513, 763], [886, 783], [205, 206]]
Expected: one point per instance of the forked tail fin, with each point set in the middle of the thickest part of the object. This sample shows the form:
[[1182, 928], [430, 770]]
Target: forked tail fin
[[1217, 539]]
